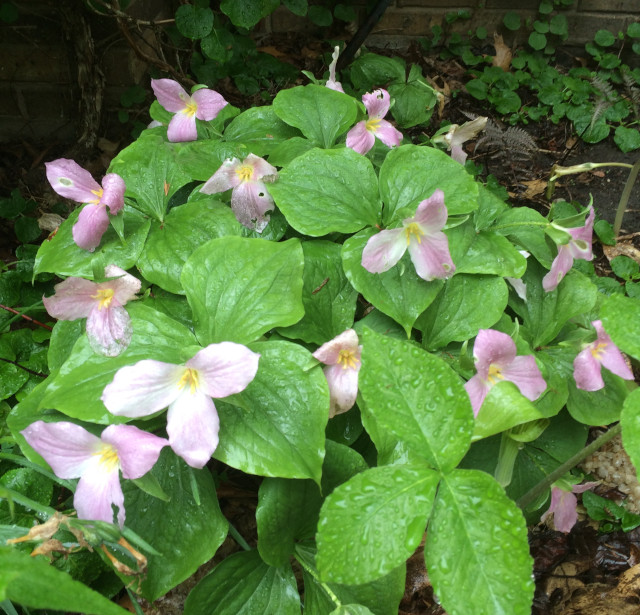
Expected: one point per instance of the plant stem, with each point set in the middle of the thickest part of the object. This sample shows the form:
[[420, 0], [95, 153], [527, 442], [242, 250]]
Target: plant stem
[[324, 586], [558, 171], [515, 224], [238, 538], [506, 459], [561, 470], [22, 314], [624, 199]]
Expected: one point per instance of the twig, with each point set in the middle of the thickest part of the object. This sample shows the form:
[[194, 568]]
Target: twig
[[23, 315], [26, 369]]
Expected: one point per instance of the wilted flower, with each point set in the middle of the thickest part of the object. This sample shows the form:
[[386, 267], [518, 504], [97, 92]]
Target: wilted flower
[[495, 356], [563, 506], [73, 182], [250, 199], [108, 323], [341, 355], [73, 452], [587, 365], [204, 104], [457, 135], [422, 235], [148, 386], [332, 84], [363, 135], [579, 247]]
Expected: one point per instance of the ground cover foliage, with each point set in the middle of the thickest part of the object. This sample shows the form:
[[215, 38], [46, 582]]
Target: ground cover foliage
[[345, 498]]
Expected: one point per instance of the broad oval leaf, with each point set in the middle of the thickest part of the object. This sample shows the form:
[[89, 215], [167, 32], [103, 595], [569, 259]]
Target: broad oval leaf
[[630, 420], [477, 552], [239, 288], [617, 313], [326, 191]]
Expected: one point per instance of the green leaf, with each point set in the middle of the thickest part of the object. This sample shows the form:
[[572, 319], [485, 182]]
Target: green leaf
[[351, 609], [511, 21], [411, 173], [372, 523], [34, 583], [525, 227], [630, 420], [617, 312], [320, 16], [27, 229], [399, 292], [320, 113], [537, 40], [432, 416], [199, 160], [194, 22], [625, 267], [64, 335], [329, 299], [11, 379], [274, 428], [239, 288], [186, 533], [218, 45], [61, 255], [247, 13], [324, 191], [559, 25], [171, 242], [473, 516], [297, 7], [605, 38], [477, 88], [371, 71], [466, 304], [243, 583], [414, 102], [30, 483], [627, 139], [598, 407]]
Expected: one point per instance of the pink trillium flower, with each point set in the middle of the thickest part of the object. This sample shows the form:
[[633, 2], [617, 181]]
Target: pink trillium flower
[[422, 235], [341, 355], [73, 452], [579, 247], [587, 365], [332, 84], [363, 135], [563, 506], [148, 386], [495, 357], [204, 104], [73, 182], [108, 323], [250, 199], [458, 135]]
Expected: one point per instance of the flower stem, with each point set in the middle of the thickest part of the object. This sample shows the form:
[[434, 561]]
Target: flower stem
[[506, 459], [531, 495], [235, 534], [624, 199]]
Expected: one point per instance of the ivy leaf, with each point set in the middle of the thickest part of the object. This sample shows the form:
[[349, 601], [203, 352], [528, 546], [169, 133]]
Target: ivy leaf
[[194, 22]]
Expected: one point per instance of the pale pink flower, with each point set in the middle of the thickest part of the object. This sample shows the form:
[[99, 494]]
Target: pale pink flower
[[579, 247], [108, 323], [219, 370], [204, 104], [341, 355], [332, 84], [495, 357], [422, 235], [458, 135], [601, 352], [73, 452], [563, 506], [250, 199], [363, 135], [73, 182]]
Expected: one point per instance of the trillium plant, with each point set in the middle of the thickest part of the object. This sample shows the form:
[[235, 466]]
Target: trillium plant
[[297, 299]]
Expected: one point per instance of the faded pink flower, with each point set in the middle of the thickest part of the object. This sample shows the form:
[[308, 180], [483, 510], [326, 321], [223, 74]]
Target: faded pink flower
[[108, 323], [458, 135], [422, 235], [73, 452], [332, 84], [250, 199], [219, 370], [73, 182], [579, 247], [341, 355], [204, 104], [495, 357], [363, 135], [563, 506], [601, 352]]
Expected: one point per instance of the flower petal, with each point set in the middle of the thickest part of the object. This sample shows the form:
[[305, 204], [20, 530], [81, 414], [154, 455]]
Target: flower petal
[[113, 195], [384, 250], [66, 447], [142, 389], [182, 127], [109, 330], [225, 368], [209, 102], [329, 352], [192, 426], [224, 178], [586, 371], [250, 201], [431, 257], [343, 388], [96, 491], [125, 286], [332, 84], [525, 374], [477, 389], [170, 94], [388, 134], [71, 181], [92, 223], [458, 154], [260, 166], [360, 139], [582, 238], [492, 347], [561, 264], [73, 299], [377, 103], [610, 355], [138, 450], [431, 213], [563, 508]]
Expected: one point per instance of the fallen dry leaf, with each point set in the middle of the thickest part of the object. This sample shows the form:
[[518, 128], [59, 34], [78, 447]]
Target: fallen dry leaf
[[534, 188], [622, 249], [503, 53]]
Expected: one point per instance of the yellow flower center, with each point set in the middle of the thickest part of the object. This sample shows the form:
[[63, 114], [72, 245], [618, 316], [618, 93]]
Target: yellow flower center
[[189, 377], [598, 350], [413, 230], [98, 194], [348, 359], [495, 374], [108, 457], [373, 124], [245, 172], [104, 297], [190, 108]]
